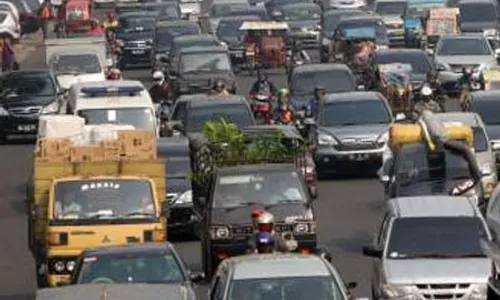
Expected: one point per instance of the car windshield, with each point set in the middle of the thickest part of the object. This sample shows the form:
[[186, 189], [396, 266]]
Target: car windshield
[[103, 199], [267, 188], [205, 62], [438, 237], [303, 83], [357, 112], [420, 9], [237, 114], [488, 110], [418, 61], [416, 164], [301, 13], [165, 36], [137, 23], [141, 118], [478, 12], [153, 268], [78, 63], [230, 28], [451, 47], [330, 22], [391, 8], [286, 288], [222, 10], [15, 86]]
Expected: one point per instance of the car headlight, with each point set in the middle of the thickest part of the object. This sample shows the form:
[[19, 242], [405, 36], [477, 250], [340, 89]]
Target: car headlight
[[478, 291], [494, 145], [220, 233], [59, 266], [70, 266], [486, 169], [52, 108], [397, 291], [384, 138], [184, 198], [304, 228], [326, 140], [4, 112]]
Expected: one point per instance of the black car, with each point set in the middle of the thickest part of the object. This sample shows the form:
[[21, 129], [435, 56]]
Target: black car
[[487, 104], [191, 112], [147, 263], [228, 31], [419, 60], [166, 11], [273, 7], [334, 78], [234, 192], [259, 11], [136, 33], [164, 36], [24, 97], [198, 68], [183, 42], [478, 15], [175, 151], [303, 20], [329, 21]]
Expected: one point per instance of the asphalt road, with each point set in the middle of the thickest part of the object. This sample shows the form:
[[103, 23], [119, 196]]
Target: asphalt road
[[348, 213]]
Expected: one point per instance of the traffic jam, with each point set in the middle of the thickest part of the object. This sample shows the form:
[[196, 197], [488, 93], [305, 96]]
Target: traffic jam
[[221, 123]]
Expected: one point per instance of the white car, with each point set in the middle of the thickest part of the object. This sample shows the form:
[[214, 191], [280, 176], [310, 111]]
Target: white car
[[9, 26], [10, 7], [348, 4]]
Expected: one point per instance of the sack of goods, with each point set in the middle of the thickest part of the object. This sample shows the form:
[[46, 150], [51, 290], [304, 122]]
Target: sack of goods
[[67, 139]]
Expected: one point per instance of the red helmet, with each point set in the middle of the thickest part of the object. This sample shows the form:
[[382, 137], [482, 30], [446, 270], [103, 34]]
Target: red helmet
[[265, 222]]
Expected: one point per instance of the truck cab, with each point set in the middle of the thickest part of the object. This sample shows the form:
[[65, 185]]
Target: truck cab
[[113, 102]]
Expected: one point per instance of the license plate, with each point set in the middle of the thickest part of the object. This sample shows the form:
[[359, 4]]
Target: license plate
[[26, 128], [137, 52], [358, 157]]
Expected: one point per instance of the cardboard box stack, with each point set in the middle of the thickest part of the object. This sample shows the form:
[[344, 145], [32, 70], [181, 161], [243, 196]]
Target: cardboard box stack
[[67, 139]]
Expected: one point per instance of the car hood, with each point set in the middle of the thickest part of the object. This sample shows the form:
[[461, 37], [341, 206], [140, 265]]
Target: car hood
[[300, 25], [135, 36], [26, 100], [368, 131], [425, 271], [467, 60], [493, 132], [476, 26], [65, 81], [241, 215]]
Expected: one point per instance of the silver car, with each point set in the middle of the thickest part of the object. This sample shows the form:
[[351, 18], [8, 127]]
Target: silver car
[[278, 276], [472, 51], [483, 150], [428, 247]]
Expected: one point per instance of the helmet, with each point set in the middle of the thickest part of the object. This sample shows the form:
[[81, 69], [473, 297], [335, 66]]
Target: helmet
[[264, 242], [158, 75], [426, 91], [265, 222], [319, 88], [284, 92], [255, 216], [262, 75]]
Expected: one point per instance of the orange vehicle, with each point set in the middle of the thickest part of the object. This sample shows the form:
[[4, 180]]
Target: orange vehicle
[[78, 16], [265, 43]]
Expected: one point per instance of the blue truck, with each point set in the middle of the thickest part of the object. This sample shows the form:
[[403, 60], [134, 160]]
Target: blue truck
[[413, 19]]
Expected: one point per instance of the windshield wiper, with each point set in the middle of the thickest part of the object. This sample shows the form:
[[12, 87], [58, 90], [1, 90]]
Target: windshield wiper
[[469, 255], [139, 213], [242, 204], [284, 201], [100, 216]]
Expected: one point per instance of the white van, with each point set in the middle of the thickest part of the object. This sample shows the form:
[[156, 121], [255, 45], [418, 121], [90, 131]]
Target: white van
[[125, 102]]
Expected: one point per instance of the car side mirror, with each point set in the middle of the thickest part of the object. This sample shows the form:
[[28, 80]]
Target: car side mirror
[[441, 68], [351, 285], [385, 178], [372, 251], [400, 117], [196, 276], [178, 127]]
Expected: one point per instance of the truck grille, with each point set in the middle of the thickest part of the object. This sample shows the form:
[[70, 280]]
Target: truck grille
[[25, 111], [348, 144], [248, 229], [443, 291]]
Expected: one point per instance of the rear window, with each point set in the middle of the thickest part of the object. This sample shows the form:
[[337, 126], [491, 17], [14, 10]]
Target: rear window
[[234, 113], [334, 81]]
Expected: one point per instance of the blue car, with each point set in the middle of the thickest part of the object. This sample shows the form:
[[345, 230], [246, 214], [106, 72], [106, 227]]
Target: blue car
[[413, 20]]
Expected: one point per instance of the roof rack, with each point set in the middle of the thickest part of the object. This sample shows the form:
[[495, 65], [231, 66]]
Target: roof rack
[[112, 91]]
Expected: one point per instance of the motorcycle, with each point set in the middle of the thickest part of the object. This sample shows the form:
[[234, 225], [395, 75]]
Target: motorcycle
[[162, 111], [261, 106]]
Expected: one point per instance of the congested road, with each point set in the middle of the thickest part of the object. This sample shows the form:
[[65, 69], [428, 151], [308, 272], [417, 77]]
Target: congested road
[[347, 211]]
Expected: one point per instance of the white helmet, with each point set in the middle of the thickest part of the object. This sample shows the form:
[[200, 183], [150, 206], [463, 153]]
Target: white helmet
[[158, 75], [426, 91]]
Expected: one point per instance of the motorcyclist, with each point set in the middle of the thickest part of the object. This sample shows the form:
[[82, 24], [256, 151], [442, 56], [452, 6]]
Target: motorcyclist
[[160, 90], [114, 74], [263, 85], [284, 111], [110, 23], [426, 102], [265, 243], [314, 105], [264, 222], [219, 88]]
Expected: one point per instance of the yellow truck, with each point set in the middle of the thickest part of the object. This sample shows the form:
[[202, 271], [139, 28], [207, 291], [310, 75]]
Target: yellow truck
[[76, 204]]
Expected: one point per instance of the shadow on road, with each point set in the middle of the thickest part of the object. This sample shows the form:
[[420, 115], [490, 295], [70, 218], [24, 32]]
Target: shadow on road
[[17, 297], [351, 245]]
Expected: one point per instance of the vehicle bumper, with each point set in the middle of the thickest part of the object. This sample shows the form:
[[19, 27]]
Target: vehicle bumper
[[54, 278], [181, 219], [329, 160], [135, 56], [11, 125]]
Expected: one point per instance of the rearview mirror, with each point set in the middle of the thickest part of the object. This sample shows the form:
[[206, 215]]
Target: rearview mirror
[[372, 251]]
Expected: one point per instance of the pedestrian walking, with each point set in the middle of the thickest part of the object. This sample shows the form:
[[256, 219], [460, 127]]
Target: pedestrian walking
[[45, 14]]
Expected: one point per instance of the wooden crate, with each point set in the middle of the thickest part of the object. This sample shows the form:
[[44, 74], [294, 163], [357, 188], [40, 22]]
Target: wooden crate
[[54, 149], [86, 153], [112, 150], [137, 141]]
